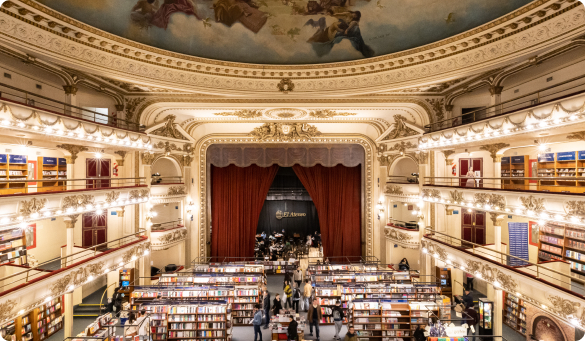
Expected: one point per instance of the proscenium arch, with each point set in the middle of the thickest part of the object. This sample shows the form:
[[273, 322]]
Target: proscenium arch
[[368, 174]]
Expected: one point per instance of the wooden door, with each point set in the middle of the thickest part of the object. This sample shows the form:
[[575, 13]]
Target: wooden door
[[464, 164], [473, 227], [95, 169], [94, 229]]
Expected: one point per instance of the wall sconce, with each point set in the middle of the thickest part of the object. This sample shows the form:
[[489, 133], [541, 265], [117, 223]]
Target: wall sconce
[[380, 208]]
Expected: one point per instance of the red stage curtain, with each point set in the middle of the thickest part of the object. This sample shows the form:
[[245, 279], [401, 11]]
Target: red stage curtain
[[337, 197], [237, 197]]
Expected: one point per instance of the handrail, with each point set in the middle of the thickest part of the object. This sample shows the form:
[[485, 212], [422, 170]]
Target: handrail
[[498, 109], [105, 291], [25, 186], [477, 249], [514, 183], [160, 227], [412, 222], [70, 260], [99, 119]]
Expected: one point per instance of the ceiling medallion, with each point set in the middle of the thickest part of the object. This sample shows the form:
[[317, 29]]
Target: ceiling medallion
[[285, 86], [285, 113]]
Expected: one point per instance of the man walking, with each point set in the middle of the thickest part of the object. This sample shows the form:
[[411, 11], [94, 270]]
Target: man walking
[[314, 317], [266, 303], [298, 276], [337, 319], [307, 294]]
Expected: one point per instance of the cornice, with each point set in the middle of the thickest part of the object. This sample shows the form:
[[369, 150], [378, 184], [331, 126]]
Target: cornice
[[535, 26]]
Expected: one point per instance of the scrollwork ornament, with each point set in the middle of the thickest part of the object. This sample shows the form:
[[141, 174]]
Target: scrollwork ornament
[[112, 196], [285, 132], [147, 158], [400, 129], [177, 190], [169, 129], [456, 197], [575, 208], [563, 307], [394, 190], [35, 205], [531, 203], [6, 308], [431, 193], [329, 113], [76, 201]]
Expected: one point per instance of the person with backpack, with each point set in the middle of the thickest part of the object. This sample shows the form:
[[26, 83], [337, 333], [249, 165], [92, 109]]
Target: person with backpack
[[292, 332], [296, 298], [257, 322], [338, 316], [314, 317], [307, 294]]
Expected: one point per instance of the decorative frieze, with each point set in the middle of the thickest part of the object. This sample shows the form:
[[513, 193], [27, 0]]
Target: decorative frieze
[[32, 206], [285, 132]]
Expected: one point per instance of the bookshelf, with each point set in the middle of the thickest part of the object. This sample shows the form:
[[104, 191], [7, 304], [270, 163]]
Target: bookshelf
[[225, 268], [7, 331], [53, 319], [375, 320], [51, 168], [242, 308], [559, 165], [126, 279], [565, 242], [13, 167], [515, 167], [13, 247], [24, 330], [421, 312], [190, 321], [514, 313], [443, 276], [187, 279]]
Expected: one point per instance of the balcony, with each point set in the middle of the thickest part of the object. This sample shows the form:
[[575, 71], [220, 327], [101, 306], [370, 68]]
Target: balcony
[[405, 234], [547, 95], [171, 188], [23, 288], [546, 285], [85, 195], [502, 121], [561, 207], [167, 238]]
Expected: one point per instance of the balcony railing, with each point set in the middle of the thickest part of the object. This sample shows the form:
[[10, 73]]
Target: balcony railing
[[402, 179], [569, 184], [166, 180], [29, 275], [168, 225], [539, 272], [552, 93], [407, 225], [58, 184], [33, 100]]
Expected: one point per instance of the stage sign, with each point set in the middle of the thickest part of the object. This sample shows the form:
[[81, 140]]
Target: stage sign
[[280, 214]]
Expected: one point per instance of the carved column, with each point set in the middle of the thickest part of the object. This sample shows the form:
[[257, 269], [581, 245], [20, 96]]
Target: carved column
[[113, 120], [187, 211], [145, 171], [448, 163], [498, 171], [497, 220], [71, 99], [73, 151], [68, 304], [495, 99], [121, 168]]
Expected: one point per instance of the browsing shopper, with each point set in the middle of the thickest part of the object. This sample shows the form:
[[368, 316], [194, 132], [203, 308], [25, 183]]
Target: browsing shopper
[[314, 317], [351, 335], [257, 322], [266, 303], [296, 297], [292, 333], [307, 294], [338, 315]]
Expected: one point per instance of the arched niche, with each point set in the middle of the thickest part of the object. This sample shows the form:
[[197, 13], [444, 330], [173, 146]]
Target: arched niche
[[545, 328], [403, 166], [166, 167]]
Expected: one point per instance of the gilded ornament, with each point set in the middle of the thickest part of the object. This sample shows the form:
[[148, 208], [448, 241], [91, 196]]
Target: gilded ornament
[[400, 237], [169, 129], [139, 194], [75, 201], [73, 150], [580, 135], [456, 197], [131, 106], [329, 113], [495, 201], [402, 146], [400, 129], [393, 190], [387, 160], [437, 105], [167, 146], [448, 153], [533, 204], [177, 190], [496, 218], [431, 193], [172, 237], [6, 309], [245, 113], [35, 205], [147, 158], [112, 196], [285, 85], [563, 307], [576, 208], [285, 131], [494, 148]]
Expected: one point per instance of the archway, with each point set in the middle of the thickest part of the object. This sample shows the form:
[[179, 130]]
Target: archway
[[545, 328], [167, 170]]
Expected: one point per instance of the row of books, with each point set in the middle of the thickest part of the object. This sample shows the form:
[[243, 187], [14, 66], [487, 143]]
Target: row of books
[[552, 240]]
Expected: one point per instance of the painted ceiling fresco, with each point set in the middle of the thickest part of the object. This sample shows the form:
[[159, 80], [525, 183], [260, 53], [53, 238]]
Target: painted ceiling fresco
[[285, 31]]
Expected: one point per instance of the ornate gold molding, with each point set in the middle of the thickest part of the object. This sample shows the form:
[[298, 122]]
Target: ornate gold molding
[[531, 203], [580, 135], [494, 148], [32, 206], [285, 132], [431, 193], [147, 158], [400, 129], [403, 146], [329, 113], [177, 190], [73, 149], [393, 190], [245, 113], [168, 129], [139, 193], [75, 201], [368, 169]]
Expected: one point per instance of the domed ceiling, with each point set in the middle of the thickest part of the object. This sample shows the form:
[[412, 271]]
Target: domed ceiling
[[285, 31]]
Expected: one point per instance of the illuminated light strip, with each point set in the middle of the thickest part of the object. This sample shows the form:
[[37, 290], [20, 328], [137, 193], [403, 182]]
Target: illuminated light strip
[[471, 136], [542, 217], [125, 142], [7, 223]]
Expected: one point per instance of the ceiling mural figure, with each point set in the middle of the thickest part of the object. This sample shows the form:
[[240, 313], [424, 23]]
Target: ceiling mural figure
[[285, 31]]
